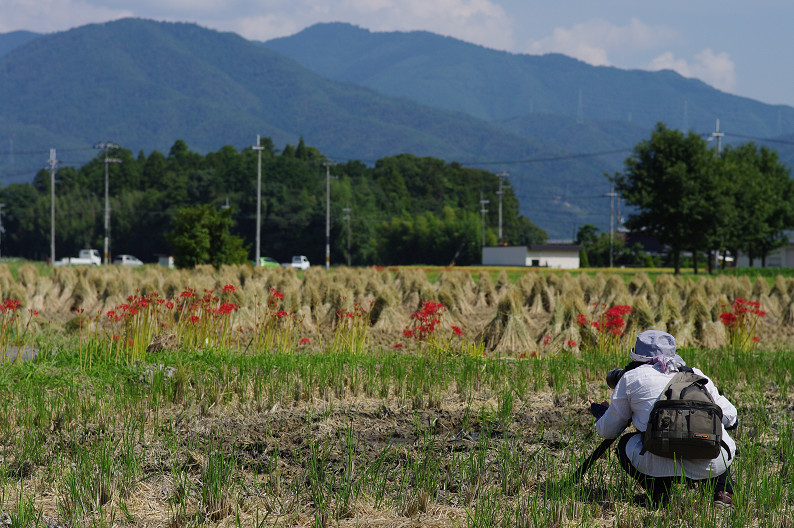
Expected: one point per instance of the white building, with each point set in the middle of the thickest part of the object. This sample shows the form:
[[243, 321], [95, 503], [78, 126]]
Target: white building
[[782, 257], [559, 256]]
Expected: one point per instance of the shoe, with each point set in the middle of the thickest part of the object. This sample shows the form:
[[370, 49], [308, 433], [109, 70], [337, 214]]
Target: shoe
[[723, 499]]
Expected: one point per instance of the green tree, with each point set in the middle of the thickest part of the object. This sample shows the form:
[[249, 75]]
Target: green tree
[[201, 235], [666, 179], [762, 195]]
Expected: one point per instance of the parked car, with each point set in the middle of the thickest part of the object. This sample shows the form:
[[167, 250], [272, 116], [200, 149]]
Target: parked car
[[127, 260], [87, 257], [299, 262], [267, 262]]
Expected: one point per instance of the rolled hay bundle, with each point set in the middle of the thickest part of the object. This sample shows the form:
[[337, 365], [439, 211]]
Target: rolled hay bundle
[[28, 276], [15, 291], [507, 332], [115, 282], [306, 323], [84, 296], [772, 308], [615, 291], [502, 281], [202, 278], [684, 334], [640, 285], [570, 286], [665, 284], [780, 290], [567, 309], [283, 279], [451, 295], [413, 280], [227, 274], [339, 298], [388, 297], [760, 287], [713, 335], [376, 280], [720, 304], [152, 280], [40, 298], [486, 291], [697, 309], [315, 286], [64, 280], [593, 286], [544, 302], [529, 284], [667, 310], [244, 274], [6, 277], [642, 317], [743, 288], [788, 314]]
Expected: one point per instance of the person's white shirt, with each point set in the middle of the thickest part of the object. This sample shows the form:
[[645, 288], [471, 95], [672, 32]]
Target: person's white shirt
[[632, 401]]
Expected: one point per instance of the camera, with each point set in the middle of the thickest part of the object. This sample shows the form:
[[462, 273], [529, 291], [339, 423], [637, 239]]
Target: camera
[[613, 376]]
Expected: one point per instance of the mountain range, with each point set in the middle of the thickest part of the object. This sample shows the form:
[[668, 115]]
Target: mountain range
[[555, 124]]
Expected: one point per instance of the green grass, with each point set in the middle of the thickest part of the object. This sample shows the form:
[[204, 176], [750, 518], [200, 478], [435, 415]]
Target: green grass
[[323, 438]]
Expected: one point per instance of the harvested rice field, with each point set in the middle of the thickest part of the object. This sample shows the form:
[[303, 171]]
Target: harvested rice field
[[245, 397]]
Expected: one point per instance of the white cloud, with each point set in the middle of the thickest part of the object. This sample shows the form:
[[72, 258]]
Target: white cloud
[[594, 40], [45, 16], [480, 21], [716, 69]]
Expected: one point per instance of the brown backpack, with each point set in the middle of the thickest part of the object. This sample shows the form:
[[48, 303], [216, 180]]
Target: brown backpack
[[684, 422]]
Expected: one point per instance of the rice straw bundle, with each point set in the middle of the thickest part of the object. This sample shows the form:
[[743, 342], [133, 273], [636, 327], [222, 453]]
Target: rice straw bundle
[[507, 332]]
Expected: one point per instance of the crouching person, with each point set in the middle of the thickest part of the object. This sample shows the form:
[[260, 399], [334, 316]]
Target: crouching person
[[667, 447]]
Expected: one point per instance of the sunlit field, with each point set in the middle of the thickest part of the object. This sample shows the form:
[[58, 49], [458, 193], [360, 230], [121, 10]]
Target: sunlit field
[[367, 397]]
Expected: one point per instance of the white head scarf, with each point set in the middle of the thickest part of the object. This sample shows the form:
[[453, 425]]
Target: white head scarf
[[658, 348]]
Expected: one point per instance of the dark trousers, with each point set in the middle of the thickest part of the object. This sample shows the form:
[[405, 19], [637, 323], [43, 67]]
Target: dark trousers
[[659, 487]]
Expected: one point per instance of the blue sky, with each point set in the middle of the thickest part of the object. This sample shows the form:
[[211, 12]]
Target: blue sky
[[743, 48]]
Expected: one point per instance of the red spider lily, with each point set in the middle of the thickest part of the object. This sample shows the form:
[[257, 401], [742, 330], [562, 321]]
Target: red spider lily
[[571, 343], [741, 322], [305, 341], [12, 304], [282, 313], [398, 345], [194, 319], [581, 320], [456, 330], [728, 318], [408, 333], [229, 288], [546, 340], [227, 308], [33, 312]]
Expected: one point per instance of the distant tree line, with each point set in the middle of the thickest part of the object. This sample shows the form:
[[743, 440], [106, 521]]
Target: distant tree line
[[404, 209], [694, 199]]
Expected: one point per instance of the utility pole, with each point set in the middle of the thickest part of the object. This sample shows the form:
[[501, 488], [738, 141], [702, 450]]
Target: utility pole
[[52, 163], [108, 160], [259, 150], [347, 211], [612, 195], [328, 213], [502, 177], [483, 210], [718, 136]]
